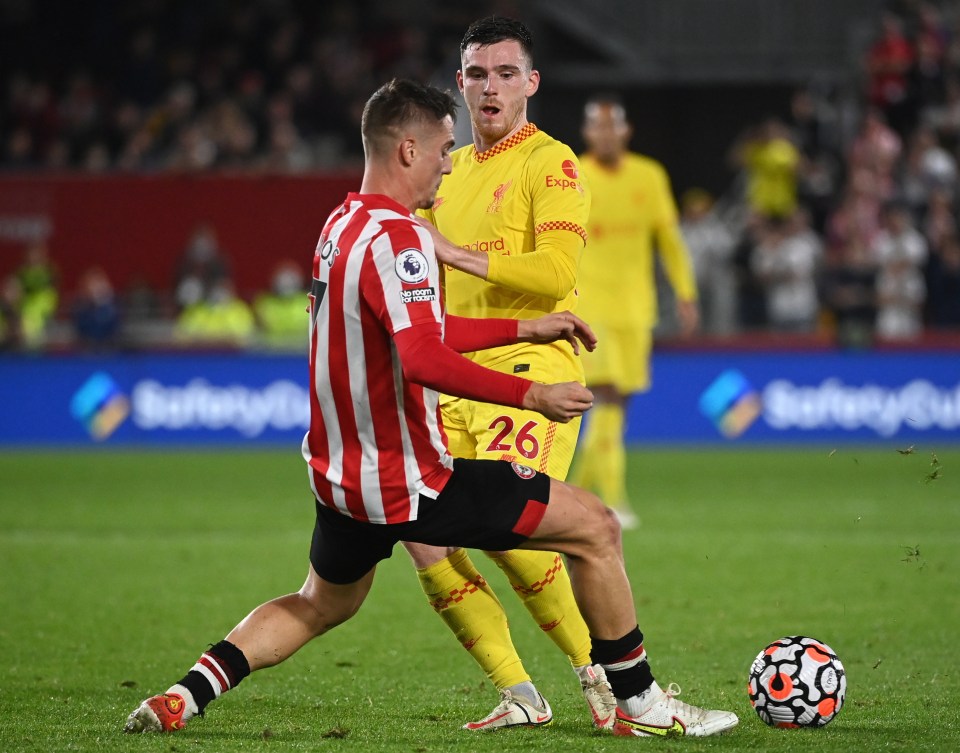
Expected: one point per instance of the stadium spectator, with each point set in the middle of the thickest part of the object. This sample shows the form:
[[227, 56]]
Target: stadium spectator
[[888, 63], [11, 301], [202, 266], [95, 313], [221, 316], [849, 292], [711, 246], [771, 162], [786, 262], [858, 215], [900, 251], [944, 118], [875, 149], [279, 312], [38, 282], [926, 166], [898, 238], [944, 284], [939, 222]]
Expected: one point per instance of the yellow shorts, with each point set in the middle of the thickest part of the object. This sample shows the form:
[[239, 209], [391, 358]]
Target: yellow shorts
[[622, 358], [485, 431]]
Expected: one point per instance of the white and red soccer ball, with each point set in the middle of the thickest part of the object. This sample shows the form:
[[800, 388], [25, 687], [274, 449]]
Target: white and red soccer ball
[[797, 682]]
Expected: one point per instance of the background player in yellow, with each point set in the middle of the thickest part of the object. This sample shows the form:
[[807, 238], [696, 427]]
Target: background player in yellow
[[632, 216], [510, 230]]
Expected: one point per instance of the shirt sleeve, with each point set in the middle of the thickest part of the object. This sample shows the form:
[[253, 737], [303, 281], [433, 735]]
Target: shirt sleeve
[[674, 255], [427, 361], [560, 202], [402, 285], [465, 334], [549, 271]]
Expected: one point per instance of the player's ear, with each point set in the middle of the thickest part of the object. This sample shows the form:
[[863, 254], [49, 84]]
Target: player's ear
[[408, 151], [460, 80], [533, 82]]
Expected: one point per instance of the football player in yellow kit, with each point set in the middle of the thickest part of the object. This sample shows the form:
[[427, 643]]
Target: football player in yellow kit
[[632, 216], [509, 227]]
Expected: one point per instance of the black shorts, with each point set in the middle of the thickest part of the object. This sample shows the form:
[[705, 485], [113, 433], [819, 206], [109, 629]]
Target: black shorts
[[486, 504]]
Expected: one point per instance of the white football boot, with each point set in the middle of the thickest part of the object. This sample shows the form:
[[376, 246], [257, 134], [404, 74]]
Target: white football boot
[[599, 696], [514, 711], [668, 717]]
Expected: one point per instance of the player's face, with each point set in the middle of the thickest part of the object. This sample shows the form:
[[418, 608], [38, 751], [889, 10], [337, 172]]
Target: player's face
[[433, 161], [496, 81], [606, 131]]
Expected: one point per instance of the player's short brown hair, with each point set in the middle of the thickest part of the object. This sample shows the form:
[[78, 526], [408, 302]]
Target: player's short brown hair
[[398, 103], [495, 29]]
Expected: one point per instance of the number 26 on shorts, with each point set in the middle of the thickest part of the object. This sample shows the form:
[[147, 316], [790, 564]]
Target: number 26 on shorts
[[526, 443]]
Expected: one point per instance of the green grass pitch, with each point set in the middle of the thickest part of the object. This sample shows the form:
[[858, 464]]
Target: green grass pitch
[[118, 568]]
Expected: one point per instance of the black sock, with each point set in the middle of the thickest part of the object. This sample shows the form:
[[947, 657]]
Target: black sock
[[218, 670], [625, 662]]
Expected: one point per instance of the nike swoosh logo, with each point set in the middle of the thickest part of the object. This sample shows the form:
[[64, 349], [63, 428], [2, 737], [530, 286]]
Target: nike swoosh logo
[[488, 722], [674, 730], [541, 718]]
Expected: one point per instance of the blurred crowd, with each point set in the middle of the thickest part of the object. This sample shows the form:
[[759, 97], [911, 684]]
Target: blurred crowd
[[148, 85], [849, 233], [201, 308], [842, 231]]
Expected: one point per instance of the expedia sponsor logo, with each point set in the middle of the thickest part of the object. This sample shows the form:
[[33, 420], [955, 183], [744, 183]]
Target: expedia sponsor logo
[[418, 295], [569, 168], [486, 246], [563, 183]]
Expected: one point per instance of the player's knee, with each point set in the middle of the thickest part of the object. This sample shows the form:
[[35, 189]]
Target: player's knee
[[602, 526], [611, 529]]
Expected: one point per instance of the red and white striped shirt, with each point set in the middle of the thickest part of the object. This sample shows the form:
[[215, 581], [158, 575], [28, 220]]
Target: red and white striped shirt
[[375, 442], [380, 349]]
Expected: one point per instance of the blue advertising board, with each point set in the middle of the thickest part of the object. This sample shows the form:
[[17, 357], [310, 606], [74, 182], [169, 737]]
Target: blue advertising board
[[697, 398], [799, 397]]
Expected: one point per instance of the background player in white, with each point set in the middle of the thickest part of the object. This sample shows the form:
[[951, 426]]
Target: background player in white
[[378, 464]]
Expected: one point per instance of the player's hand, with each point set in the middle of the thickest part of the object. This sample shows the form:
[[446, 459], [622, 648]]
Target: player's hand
[[558, 402], [561, 325], [689, 315], [471, 262]]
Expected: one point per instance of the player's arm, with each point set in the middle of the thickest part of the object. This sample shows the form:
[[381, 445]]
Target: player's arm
[[404, 298], [428, 361], [560, 206], [674, 255], [550, 270], [465, 334]]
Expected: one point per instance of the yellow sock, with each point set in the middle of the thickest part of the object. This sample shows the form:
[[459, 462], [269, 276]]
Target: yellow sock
[[582, 473], [464, 601], [603, 456], [543, 585]]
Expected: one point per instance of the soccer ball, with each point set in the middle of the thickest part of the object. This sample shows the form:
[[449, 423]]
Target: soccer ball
[[797, 682]]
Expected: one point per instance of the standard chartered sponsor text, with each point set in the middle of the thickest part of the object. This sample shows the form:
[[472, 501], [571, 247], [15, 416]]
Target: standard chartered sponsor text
[[832, 404], [280, 405]]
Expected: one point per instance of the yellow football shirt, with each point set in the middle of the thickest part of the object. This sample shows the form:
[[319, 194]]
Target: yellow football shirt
[[633, 214], [500, 202]]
